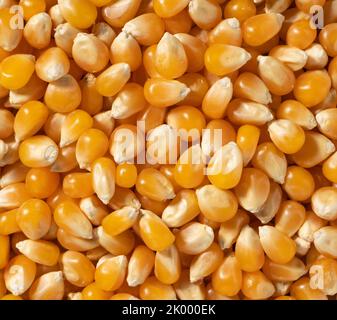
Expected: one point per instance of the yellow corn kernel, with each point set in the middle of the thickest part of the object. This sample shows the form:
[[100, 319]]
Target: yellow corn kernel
[[302, 290], [323, 273], [324, 240], [189, 170], [256, 286], [30, 119], [63, 95], [110, 273], [140, 266], [13, 196], [290, 217], [216, 204], [19, 274], [77, 268], [34, 218], [126, 175], [217, 57], [91, 145], [10, 38], [120, 220], [69, 217], [49, 286], [312, 87], [182, 209], [8, 224], [153, 289], [217, 98], [194, 238], [154, 232], [90, 53], [167, 265], [13, 174], [153, 184], [80, 14], [227, 279], [147, 28], [279, 79], [5, 251], [206, 14], [206, 263], [277, 245], [316, 149], [112, 79], [121, 244], [16, 70], [39, 251], [241, 112], [71, 242], [249, 251], [162, 93], [170, 57]]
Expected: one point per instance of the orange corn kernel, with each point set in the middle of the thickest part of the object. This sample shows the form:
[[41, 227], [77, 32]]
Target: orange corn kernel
[[78, 185], [30, 119], [217, 98], [10, 38], [241, 112], [277, 245], [19, 274], [290, 271], [206, 14], [253, 189], [126, 175], [153, 289], [279, 79], [77, 268], [312, 87], [324, 241], [93, 292], [216, 204], [92, 144], [110, 273], [327, 38], [256, 286], [170, 58], [12, 76], [240, 9], [5, 250], [69, 217], [34, 218], [270, 160], [227, 279], [218, 56], [302, 290], [301, 34], [182, 209], [194, 238], [325, 120], [290, 217], [162, 93], [316, 149], [248, 250], [299, 183], [49, 286], [227, 31], [80, 14], [8, 224], [254, 32], [41, 182], [120, 220], [154, 232], [323, 273], [167, 265], [13, 196], [329, 168], [140, 266], [63, 95], [147, 28], [323, 203]]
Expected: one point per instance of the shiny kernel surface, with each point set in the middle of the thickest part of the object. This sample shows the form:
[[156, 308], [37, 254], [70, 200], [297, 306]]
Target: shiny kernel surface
[[168, 150]]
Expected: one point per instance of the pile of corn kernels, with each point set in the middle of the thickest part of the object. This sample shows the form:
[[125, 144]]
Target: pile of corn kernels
[[84, 217]]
